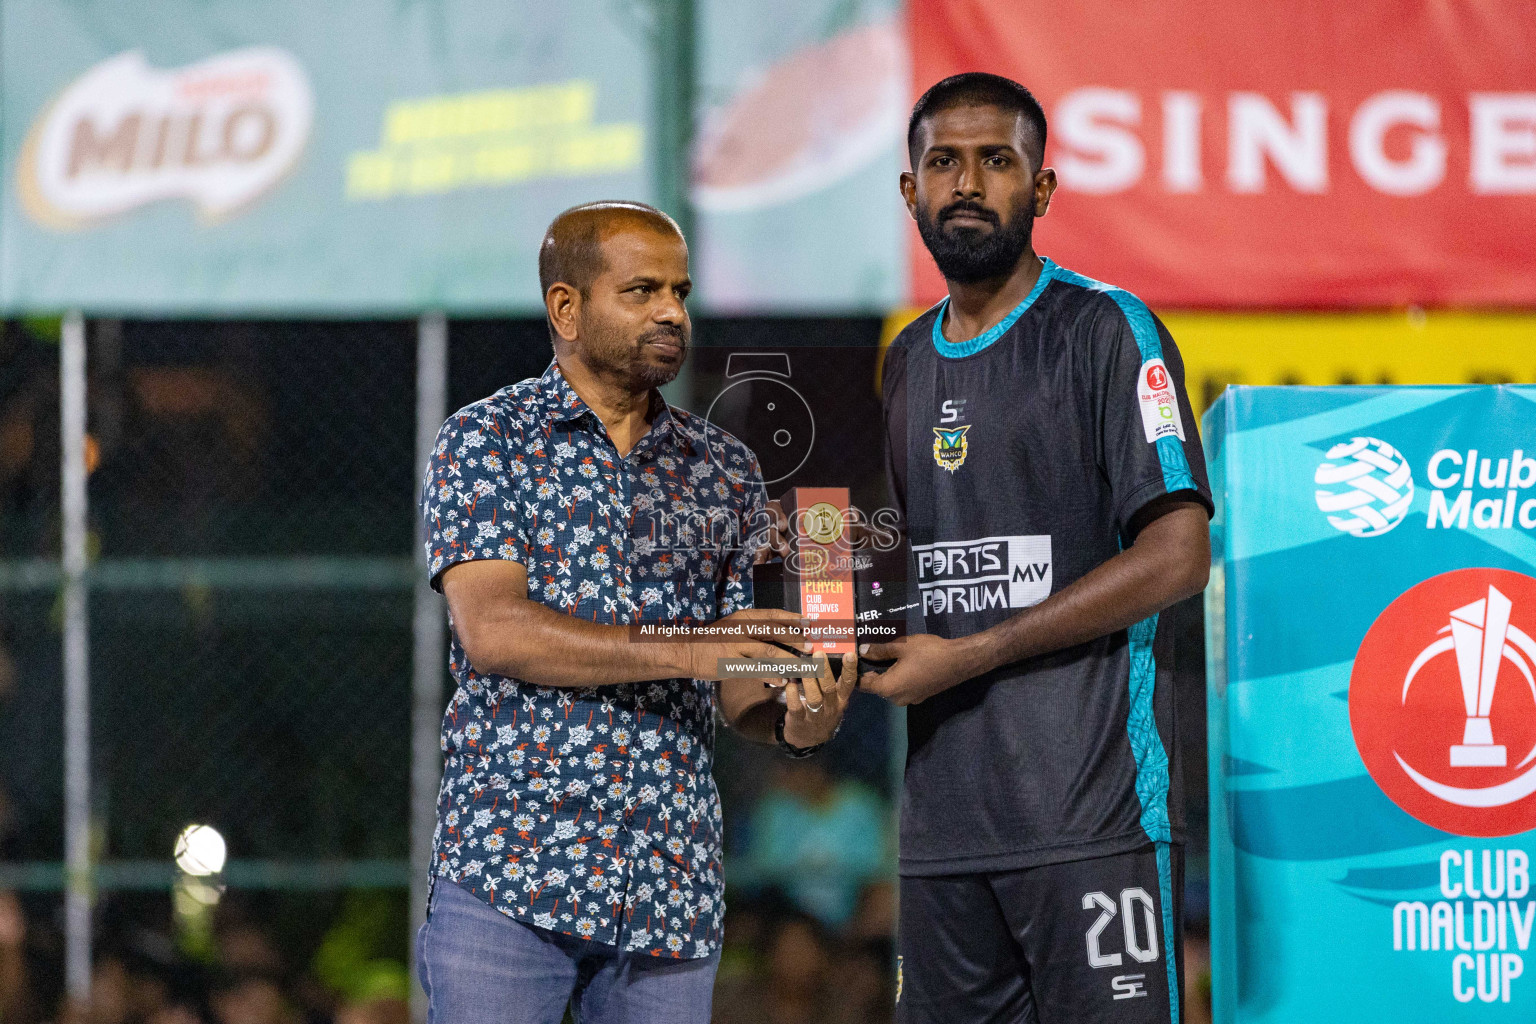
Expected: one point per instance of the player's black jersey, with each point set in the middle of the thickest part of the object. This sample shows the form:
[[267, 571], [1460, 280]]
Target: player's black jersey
[[1019, 459]]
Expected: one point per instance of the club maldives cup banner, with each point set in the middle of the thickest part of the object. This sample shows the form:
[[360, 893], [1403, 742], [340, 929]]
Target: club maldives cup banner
[[1303, 153], [1372, 667]]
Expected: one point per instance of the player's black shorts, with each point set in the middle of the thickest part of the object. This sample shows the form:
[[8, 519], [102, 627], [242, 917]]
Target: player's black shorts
[[1071, 943]]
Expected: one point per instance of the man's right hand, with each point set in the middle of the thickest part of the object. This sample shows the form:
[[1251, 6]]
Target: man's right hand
[[703, 658], [503, 632]]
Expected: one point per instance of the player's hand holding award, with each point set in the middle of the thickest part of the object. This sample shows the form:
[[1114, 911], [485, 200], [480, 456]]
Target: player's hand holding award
[[921, 666]]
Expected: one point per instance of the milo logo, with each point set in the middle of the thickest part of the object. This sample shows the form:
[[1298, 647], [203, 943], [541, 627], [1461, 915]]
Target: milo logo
[[219, 133]]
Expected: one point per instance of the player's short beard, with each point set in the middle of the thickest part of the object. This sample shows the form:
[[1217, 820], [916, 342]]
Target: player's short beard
[[967, 255]]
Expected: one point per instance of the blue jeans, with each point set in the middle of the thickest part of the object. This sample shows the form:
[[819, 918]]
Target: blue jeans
[[479, 966]]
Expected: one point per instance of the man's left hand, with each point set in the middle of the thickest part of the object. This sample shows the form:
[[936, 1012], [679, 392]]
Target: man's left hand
[[924, 665], [814, 705]]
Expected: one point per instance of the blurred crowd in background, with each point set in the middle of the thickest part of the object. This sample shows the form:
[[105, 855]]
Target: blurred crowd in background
[[808, 935]]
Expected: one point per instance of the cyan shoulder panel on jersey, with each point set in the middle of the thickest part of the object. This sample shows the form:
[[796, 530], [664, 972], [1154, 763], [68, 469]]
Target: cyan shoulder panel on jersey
[[1170, 453]]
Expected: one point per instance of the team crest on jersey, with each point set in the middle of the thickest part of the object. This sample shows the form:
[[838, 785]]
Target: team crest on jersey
[[950, 447]]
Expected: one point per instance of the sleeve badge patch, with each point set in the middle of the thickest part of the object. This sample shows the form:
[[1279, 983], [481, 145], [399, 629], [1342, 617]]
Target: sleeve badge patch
[[1159, 405]]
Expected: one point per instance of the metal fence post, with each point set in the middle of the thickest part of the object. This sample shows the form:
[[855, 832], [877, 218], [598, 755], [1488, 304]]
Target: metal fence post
[[674, 36], [675, 33], [79, 885], [429, 651]]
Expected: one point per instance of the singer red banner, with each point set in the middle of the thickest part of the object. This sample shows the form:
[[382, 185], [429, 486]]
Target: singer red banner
[[1292, 154]]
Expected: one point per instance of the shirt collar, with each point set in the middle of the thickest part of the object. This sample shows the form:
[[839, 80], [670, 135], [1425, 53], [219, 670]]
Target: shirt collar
[[562, 404]]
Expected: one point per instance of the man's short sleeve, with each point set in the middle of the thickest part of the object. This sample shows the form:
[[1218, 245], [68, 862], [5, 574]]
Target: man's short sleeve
[[736, 589], [1149, 440], [469, 504]]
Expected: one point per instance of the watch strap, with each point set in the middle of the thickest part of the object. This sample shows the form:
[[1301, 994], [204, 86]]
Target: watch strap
[[788, 747]]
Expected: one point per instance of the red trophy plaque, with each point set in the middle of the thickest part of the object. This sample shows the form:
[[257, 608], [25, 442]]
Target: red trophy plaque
[[818, 574]]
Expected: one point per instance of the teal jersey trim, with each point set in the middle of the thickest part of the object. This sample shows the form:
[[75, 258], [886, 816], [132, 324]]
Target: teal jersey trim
[[1170, 961], [958, 349], [1146, 744], [1170, 453], [1152, 783]]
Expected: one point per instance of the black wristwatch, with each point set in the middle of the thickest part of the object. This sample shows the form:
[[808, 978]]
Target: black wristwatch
[[788, 747]]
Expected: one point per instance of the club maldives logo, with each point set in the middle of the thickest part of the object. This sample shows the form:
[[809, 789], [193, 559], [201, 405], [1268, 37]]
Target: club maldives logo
[[1160, 415], [1442, 702], [220, 133], [1365, 487]]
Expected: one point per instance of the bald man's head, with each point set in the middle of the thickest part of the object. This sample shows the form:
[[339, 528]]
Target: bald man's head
[[615, 278], [572, 250]]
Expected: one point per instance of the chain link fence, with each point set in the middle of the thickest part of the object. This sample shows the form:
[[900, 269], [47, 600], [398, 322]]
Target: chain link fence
[[252, 582]]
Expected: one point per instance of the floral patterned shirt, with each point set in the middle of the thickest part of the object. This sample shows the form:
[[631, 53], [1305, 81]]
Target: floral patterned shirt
[[590, 812]]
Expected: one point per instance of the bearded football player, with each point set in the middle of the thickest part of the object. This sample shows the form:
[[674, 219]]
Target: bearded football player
[[1043, 452]]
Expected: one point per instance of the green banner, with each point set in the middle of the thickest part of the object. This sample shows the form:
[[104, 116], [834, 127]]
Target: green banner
[[273, 157], [284, 157]]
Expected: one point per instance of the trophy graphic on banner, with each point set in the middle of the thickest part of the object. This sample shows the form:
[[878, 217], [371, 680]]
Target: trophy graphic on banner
[[1478, 631]]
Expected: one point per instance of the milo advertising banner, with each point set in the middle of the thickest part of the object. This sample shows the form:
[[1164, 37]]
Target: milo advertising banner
[[1372, 649], [380, 157]]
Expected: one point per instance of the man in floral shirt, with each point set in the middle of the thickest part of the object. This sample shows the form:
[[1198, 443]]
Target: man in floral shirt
[[577, 796]]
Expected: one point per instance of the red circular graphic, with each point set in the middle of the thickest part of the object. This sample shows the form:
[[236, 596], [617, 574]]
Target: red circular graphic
[[1157, 378], [1442, 702]]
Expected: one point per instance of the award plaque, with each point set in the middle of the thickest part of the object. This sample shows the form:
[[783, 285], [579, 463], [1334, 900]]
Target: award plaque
[[818, 574]]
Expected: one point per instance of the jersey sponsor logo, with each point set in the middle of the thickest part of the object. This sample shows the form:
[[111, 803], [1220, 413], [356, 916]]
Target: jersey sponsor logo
[[950, 447], [962, 576], [950, 410], [1364, 486], [1442, 702], [1128, 986], [1159, 403]]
